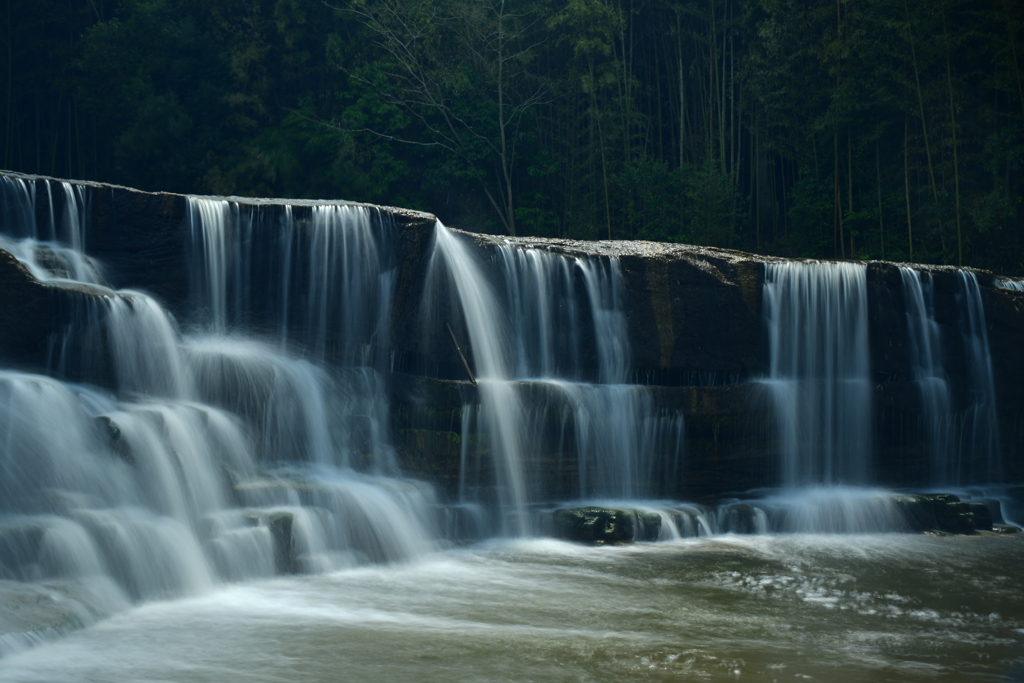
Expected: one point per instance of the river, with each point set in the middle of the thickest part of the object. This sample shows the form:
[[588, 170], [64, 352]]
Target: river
[[879, 607]]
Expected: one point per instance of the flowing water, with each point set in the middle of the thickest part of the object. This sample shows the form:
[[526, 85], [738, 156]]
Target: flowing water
[[748, 608], [218, 498], [207, 457], [927, 371], [980, 433], [820, 370], [527, 331]]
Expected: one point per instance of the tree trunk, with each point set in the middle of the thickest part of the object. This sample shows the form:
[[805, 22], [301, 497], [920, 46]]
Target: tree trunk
[[956, 162], [906, 186], [878, 184], [920, 104]]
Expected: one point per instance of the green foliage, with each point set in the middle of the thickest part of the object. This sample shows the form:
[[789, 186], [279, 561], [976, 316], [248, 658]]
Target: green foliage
[[653, 197], [805, 128]]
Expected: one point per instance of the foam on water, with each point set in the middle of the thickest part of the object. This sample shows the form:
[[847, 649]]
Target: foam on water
[[541, 609]]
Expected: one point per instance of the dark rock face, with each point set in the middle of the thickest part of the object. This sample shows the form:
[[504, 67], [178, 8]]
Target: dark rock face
[[27, 315]]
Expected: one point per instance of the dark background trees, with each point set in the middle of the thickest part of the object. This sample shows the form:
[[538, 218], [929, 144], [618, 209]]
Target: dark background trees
[[824, 128]]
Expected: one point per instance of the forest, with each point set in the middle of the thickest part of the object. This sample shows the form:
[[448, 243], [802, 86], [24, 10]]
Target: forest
[[851, 129]]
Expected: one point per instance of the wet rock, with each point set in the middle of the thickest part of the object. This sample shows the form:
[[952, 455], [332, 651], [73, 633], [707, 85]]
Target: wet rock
[[945, 512], [281, 531], [918, 511], [648, 526], [738, 518], [952, 514], [599, 525], [995, 509], [32, 613], [982, 514], [114, 441]]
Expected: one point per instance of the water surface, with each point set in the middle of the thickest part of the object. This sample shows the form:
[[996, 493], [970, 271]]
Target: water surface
[[881, 607]]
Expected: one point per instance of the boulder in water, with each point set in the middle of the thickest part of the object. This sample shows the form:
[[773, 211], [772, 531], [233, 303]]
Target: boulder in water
[[982, 514], [945, 512], [952, 514], [117, 445], [599, 525], [280, 524], [738, 518]]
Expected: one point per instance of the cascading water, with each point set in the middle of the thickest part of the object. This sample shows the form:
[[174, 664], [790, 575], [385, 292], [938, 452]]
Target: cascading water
[[501, 407], [980, 430], [1011, 284], [50, 249], [322, 284], [323, 280], [820, 376], [536, 342], [210, 458], [926, 370]]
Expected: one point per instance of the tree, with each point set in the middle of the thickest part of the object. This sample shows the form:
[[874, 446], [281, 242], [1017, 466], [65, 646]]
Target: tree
[[462, 69]]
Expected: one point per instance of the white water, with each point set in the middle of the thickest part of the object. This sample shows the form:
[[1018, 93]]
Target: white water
[[819, 379], [321, 282], [855, 608], [980, 430], [926, 370], [220, 456], [1011, 284], [208, 458], [535, 337], [50, 249], [500, 404]]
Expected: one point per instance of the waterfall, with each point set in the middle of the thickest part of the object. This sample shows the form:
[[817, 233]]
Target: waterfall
[[321, 275], [64, 220], [980, 431], [249, 434], [212, 456], [926, 370], [1012, 284], [816, 315], [501, 406], [551, 348], [51, 247]]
